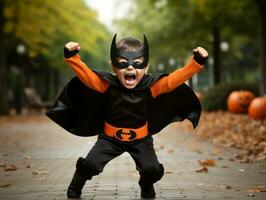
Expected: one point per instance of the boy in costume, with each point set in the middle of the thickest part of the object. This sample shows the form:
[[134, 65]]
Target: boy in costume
[[124, 109]]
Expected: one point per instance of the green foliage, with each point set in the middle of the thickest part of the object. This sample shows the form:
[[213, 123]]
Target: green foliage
[[175, 27], [45, 26], [216, 97]]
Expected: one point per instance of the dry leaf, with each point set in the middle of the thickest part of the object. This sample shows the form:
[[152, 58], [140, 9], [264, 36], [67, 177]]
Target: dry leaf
[[29, 166], [5, 184], [225, 187], [224, 166], [232, 130], [2, 165], [207, 162], [10, 168], [36, 172], [251, 195], [260, 189], [241, 170], [202, 169], [168, 172], [27, 157]]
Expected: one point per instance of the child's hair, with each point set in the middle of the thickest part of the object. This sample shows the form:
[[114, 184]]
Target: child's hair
[[129, 44]]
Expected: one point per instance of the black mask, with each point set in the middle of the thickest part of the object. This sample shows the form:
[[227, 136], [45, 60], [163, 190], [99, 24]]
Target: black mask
[[130, 56]]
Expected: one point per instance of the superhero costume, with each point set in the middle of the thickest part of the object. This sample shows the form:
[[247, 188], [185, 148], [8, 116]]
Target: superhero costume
[[96, 103]]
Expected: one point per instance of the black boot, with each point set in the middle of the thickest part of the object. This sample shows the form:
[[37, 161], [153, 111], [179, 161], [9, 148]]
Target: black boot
[[75, 187], [147, 190]]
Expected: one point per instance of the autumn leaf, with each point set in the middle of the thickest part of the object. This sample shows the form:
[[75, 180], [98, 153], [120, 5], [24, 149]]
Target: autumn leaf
[[2, 165], [11, 168], [258, 189], [207, 162], [36, 172], [202, 169], [5, 184]]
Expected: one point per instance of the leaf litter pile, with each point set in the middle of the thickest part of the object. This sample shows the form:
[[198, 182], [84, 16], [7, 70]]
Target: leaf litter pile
[[233, 130]]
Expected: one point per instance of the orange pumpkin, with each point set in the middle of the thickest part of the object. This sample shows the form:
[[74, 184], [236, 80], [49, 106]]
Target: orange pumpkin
[[257, 108], [238, 101]]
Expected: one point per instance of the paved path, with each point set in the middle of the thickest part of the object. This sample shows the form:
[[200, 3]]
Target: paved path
[[45, 157]]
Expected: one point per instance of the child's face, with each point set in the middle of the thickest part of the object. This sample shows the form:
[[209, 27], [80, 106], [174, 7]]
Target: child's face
[[130, 76]]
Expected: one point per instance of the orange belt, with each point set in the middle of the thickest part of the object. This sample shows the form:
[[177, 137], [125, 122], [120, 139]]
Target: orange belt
[[126, 134]]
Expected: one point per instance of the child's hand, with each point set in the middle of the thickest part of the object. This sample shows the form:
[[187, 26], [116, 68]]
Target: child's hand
[[72, 46], [201, 51], [200, 55]]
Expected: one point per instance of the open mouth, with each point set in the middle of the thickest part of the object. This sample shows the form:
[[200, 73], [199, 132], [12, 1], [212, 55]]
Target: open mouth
[[130, 78]]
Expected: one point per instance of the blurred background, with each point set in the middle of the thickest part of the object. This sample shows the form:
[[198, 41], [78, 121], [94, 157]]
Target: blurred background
[[33, 33], [37, 157]]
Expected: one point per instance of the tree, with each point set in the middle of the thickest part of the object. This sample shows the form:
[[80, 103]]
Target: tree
[[175, 27], [262, 12], [43, 27]]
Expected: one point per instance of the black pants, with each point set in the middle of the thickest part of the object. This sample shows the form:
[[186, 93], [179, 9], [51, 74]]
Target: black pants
[[104, 150]]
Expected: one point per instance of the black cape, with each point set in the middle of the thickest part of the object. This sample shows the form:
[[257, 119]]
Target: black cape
[[81, 110]]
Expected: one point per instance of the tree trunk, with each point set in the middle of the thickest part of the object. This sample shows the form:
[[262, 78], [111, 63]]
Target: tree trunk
[[3, 66], [216, 54], [262, 12]]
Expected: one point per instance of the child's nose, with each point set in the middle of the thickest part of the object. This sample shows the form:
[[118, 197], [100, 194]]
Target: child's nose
[[130, 67]]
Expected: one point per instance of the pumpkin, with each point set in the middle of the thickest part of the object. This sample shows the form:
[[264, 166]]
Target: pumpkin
[[257, 108], [238, 101]]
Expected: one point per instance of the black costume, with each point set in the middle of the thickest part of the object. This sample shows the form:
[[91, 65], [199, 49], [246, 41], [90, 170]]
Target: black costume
[[84, 112]]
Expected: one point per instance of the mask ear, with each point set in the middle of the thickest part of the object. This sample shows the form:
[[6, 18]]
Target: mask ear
[[146, 46], [113, 49]]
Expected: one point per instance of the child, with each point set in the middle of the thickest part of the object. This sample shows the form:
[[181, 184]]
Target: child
[[124, 109]]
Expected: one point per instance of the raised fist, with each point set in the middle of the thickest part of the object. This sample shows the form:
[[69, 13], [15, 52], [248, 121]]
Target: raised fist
[[72, 46], [200, 55], [201, 52]]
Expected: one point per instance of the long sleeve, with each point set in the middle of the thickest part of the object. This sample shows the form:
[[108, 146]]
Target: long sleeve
[[86, 75], [176, 78]]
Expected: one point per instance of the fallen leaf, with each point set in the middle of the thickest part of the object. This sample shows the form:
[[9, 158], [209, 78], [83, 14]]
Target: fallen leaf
[[5, 184], [251, 195], [225, 187], [11, 168], [168, 172], [2, 165], [202, 169], [241, 170], [36, 172], [260, 189], [207, 162], [29, 166], [245, 160], [27, 157], [224, 166]]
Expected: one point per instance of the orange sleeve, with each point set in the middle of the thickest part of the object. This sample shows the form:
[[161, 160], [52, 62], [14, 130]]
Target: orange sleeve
[[86, 75], [176, 78]]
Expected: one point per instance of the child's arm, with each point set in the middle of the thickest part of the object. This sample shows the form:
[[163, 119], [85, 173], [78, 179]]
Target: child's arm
[[179, 76], [82, 71]]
